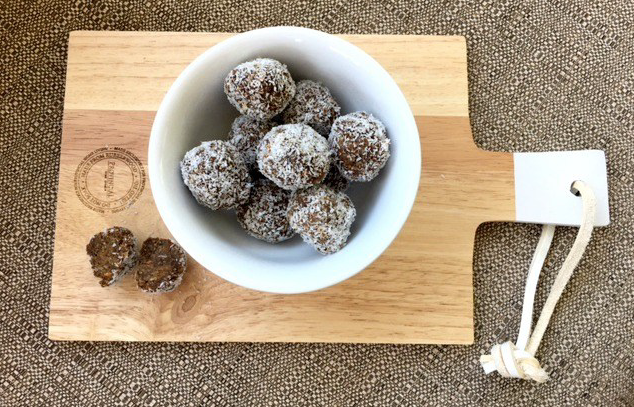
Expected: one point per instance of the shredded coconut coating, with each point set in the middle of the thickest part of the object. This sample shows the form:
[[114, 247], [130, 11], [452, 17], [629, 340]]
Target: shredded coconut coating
[[312, 105], [335, 180], [162, 264], [322, 217], [264, 215], [216, 175], [245, 135], [360, 145], [294, 156], [260, 88], [112, 254]]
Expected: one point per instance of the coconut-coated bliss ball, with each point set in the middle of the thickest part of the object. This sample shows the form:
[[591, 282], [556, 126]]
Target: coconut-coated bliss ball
[[294, 156], [245, 135], [264, 214], [322, 217], [312, 105], [360, 146], [216, 175], [260, 88]]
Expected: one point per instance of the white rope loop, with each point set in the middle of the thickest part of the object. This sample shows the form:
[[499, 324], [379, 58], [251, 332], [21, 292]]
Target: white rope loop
[[510, 360]]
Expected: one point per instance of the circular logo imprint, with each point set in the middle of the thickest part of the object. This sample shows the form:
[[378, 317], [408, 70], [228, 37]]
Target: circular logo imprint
[[109, 179]]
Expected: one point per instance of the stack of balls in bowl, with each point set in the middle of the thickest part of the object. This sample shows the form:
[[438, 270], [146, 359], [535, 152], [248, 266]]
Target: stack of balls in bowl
[[288, 159]]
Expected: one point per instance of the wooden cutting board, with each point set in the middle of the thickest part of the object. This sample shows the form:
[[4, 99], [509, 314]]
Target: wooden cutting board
[[419, 291]]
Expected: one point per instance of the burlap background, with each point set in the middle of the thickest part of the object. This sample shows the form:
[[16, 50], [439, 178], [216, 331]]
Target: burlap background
[[544, 75]]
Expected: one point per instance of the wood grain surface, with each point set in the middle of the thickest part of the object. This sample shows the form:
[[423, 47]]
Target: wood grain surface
[[418, 291]]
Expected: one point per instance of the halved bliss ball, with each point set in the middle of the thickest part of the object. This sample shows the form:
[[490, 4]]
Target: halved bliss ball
[[216, 175], [162, 265], [264, 214], [294, 156], [322, 217], [112, 254], [312, 105], [260, 88], [245, 135], [360, 146]]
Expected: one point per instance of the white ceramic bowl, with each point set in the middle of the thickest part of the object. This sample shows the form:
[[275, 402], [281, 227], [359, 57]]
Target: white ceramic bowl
[[195, 109]]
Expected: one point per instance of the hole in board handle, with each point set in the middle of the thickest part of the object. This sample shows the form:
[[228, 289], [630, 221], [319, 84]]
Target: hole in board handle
[[574, 190]]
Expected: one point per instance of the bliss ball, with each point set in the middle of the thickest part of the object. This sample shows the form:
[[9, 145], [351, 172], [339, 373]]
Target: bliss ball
[[245, 135], [162, 265], [112, 254], [294, 156], [264, 214], [335, 180], [312, 105], [260, 88], [322, 217], [360, 146], [216, 175]]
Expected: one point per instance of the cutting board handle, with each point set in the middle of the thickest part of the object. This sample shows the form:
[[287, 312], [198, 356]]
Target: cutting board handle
[[474, 186]]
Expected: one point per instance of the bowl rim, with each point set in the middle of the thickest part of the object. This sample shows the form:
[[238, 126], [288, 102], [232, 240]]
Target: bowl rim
[[170, 219]]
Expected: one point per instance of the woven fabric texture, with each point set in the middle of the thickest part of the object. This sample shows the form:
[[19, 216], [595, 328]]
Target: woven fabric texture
[[544, 75]]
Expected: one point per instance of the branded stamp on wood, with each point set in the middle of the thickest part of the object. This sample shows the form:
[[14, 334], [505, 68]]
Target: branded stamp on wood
[[109, 179]]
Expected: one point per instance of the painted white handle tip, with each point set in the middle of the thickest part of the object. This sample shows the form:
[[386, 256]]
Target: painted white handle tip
[[543, 181]]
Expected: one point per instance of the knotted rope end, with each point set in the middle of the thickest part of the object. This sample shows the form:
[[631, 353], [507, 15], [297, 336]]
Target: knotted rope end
[[509, 361]]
